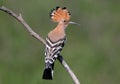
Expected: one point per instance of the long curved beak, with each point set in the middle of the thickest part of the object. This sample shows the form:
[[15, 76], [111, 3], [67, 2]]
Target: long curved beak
[[74, 23]]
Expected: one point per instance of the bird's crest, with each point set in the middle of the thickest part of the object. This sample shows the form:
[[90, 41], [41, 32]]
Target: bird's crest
[[60, 14]]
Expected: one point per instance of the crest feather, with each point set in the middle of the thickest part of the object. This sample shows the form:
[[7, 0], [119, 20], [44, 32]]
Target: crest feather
[[59, 14]]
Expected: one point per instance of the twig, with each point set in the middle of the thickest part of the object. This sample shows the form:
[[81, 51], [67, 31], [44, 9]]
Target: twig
[[72, 75], [21, 20], [38, 37]]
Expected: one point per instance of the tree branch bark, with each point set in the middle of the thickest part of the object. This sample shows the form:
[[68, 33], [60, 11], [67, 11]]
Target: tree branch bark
[[38, 37]]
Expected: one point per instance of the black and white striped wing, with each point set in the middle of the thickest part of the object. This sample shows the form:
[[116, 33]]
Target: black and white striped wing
[[53, 49]]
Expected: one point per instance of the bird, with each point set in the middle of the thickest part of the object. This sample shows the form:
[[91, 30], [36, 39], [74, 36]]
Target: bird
[[55, 39]]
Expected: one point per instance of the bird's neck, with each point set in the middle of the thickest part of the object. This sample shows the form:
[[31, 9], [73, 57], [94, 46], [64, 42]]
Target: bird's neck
[[57, 33], [60, 29], [61, 26]]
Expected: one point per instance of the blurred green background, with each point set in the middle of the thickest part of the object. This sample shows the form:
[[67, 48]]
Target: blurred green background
[[92, 49]]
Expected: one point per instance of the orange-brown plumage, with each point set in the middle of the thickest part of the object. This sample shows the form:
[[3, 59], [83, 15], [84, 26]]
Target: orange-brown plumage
[[60, 14], [62, 17], [57, 33]]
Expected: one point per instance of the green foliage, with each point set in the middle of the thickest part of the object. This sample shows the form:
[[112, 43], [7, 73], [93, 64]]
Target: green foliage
[[92, 49]]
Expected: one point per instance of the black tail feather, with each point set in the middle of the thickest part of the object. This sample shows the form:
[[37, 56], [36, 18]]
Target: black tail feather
[[47, 74]]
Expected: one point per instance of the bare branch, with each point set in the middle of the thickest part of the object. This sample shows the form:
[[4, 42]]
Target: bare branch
[[65, 65], [38, 37], [21, 20]]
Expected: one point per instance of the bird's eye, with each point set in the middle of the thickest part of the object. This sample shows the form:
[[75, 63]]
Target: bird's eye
[[65, 21]]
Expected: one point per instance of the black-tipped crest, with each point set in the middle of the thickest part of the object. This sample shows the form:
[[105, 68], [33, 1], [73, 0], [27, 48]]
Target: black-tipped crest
[[58, 14], [51, 12], [64, 8], [57, 7]]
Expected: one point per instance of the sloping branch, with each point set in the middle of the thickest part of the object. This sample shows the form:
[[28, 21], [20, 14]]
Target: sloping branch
[[21, 20], [38, 37]]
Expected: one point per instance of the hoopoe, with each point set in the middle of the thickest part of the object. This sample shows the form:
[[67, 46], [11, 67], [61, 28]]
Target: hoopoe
[[55, 39]]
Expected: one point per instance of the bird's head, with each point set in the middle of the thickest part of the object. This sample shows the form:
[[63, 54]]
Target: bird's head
[[61, 16]]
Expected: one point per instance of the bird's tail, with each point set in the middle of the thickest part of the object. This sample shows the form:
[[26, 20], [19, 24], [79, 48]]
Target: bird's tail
[[60, 14], [48, 72]]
